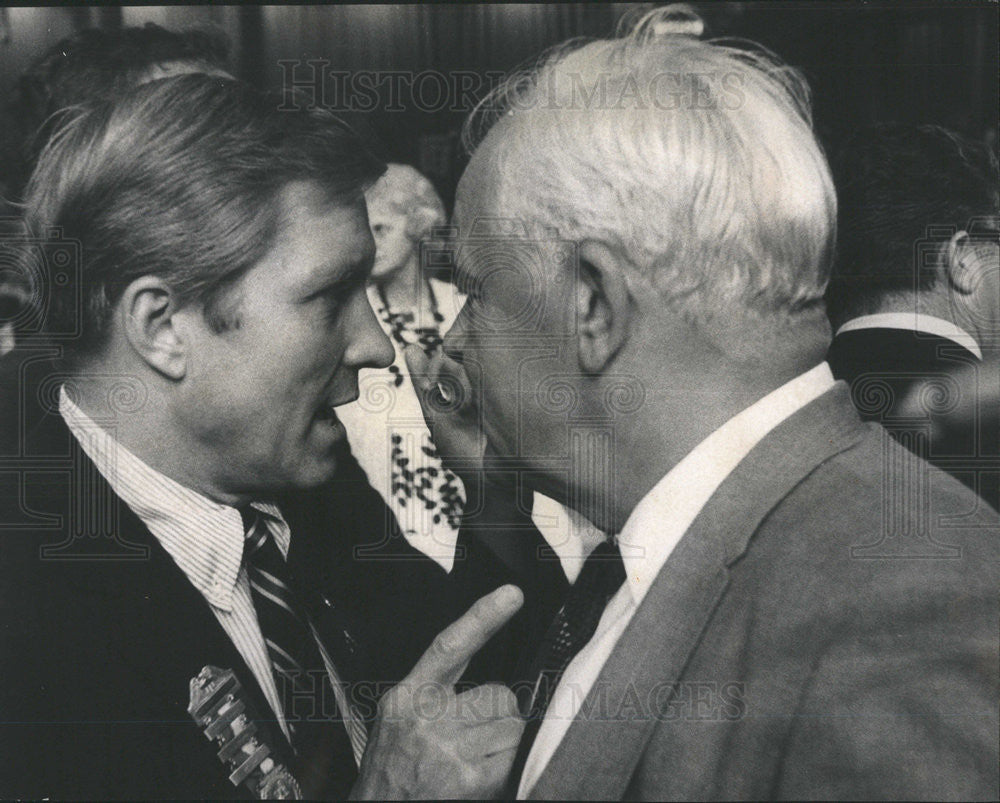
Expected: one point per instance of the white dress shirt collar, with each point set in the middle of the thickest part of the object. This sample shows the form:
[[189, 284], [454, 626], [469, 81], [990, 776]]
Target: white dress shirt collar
[[662, 517], [648, 538], [203, 537], [915, 322]]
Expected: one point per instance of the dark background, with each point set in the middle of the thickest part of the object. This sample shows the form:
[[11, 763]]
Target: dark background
[[918, 62]]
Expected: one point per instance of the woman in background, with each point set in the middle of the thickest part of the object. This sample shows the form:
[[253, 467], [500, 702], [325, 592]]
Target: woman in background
[[385, 427]]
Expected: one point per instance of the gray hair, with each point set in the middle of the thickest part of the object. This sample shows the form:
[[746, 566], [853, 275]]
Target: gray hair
[[406, 192], [696, 158]]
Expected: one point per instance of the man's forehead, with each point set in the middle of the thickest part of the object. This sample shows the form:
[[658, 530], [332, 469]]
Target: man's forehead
[[307, 202], [316, 236]]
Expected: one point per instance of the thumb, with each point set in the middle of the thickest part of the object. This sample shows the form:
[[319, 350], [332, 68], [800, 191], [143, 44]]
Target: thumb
[[419, 366], [441, 383], [445, 660]]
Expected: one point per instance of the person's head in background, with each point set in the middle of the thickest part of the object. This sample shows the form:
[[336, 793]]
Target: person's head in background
[[917, 228], [95, 65], [90, 66], [403, 209]]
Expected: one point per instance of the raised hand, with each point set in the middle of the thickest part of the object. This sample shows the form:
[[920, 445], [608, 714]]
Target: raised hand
[[428, 741]]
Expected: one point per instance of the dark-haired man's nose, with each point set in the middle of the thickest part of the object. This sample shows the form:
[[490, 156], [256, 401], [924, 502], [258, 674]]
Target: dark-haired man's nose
[[370, 346]]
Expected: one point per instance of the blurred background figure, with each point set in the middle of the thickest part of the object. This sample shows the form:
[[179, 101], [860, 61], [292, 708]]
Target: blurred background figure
[[385, 427], [915, 293], [90, 66], [974, 394], [13, 294]]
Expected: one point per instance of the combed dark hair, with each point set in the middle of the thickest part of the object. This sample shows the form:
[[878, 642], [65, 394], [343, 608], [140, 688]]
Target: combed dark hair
[[893, 181], [92, 65], [179, 178]]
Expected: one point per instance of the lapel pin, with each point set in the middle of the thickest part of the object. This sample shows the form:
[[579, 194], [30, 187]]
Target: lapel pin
[[220, 708]]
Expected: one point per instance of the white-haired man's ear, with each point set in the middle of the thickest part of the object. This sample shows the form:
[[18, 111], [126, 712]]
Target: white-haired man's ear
[[962, 263], [148, 308], [604, 307]]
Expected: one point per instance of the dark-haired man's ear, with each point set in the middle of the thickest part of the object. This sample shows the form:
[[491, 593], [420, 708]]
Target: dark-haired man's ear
[[603, 306], [148, 306]]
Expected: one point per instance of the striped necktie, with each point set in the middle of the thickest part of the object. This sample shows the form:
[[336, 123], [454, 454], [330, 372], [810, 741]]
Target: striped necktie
[[318, 736]]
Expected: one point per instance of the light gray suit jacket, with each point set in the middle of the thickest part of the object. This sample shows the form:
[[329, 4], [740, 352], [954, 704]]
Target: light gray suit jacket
[[827, 628]]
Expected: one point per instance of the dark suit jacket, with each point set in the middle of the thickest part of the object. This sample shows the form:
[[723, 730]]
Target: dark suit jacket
[[25, 373], [817, 633], [882, 366], [100, 632]]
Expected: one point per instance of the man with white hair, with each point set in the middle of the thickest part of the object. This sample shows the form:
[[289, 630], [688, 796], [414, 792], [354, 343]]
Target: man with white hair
[[646, 233]]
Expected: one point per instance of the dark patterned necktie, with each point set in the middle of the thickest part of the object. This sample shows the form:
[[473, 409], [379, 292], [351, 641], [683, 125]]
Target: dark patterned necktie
[[574, 625], [318, 736]]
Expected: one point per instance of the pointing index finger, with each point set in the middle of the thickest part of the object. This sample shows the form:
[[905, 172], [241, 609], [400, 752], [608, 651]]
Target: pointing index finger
[[449, 653]]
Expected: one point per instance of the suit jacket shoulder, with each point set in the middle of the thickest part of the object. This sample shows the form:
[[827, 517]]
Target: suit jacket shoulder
[[882, 368], [893, 354], [101, 635], [825, 629]]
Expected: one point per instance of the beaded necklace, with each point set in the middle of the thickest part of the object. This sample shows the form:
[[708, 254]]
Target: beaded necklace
[[420, 482]]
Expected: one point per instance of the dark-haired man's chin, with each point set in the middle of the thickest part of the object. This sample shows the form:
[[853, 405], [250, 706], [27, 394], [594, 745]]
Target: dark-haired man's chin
[[321, 465]]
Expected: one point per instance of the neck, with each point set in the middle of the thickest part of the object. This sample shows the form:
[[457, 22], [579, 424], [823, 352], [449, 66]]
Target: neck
[[674, 419], [406, 289], [135, 414]]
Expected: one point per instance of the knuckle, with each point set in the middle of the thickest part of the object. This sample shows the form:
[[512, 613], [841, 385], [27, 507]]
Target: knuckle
[[471, 776], [515, 725], [387, 704], [505, 701], [446, 643], [386, 701]]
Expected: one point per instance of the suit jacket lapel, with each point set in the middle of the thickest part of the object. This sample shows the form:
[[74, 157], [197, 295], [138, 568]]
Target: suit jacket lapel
[[639, 679], [320, 549], [158, 621], [174, 632]]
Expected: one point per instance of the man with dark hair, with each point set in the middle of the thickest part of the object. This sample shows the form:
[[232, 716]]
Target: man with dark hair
[[181, 504], [915, 290], [92, 65]]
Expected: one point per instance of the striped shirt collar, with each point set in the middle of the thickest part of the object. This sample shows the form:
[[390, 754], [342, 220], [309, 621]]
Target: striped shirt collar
[[917, 322], [204, 538]]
